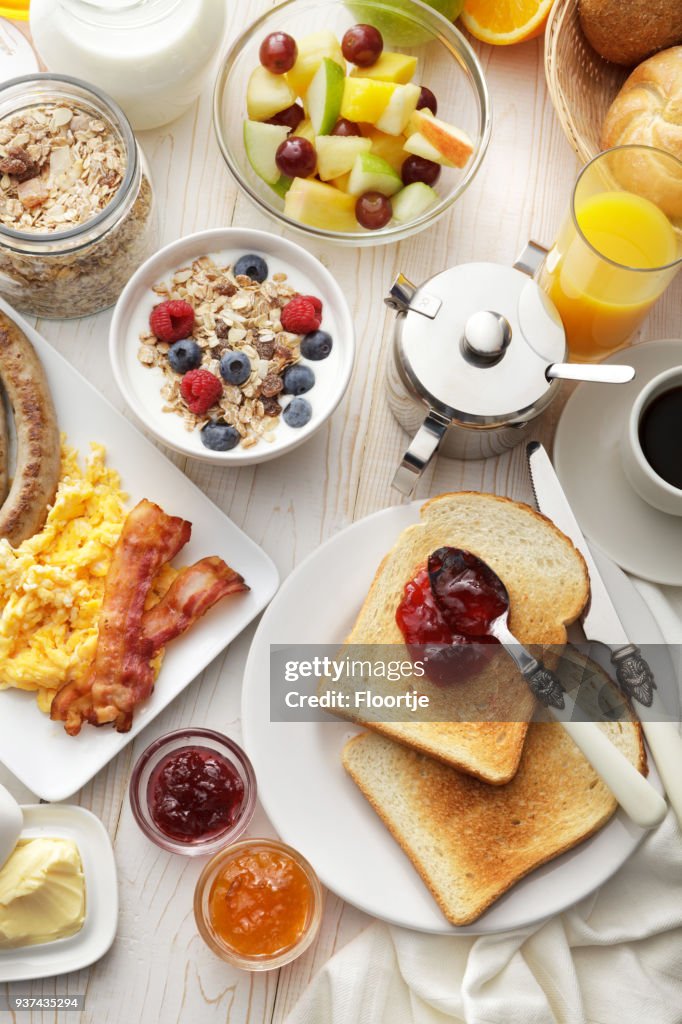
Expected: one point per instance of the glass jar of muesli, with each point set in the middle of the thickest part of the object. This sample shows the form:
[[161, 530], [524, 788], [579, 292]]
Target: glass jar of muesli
[[77, 211]]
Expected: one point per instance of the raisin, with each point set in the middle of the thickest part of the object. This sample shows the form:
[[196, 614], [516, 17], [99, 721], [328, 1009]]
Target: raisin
[[222, 329], [226, 288], [19, 165], [265, 349], [272, 385], [271, 407]]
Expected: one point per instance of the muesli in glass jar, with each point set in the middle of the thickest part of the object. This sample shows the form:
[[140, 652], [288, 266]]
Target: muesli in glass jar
[[77, 210]]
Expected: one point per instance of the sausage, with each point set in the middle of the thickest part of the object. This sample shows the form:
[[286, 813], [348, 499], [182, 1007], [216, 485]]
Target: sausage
[[37, 470], [4, 450]]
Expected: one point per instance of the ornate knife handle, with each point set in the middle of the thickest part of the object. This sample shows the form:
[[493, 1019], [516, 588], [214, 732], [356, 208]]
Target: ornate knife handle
[[546, 687], [635, 678]]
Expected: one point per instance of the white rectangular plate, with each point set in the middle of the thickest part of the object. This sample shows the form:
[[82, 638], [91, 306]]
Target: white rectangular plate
[[101, 897], [38, 751]]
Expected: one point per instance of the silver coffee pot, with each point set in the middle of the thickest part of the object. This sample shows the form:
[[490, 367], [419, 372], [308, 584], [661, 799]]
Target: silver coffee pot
[[478, 355]]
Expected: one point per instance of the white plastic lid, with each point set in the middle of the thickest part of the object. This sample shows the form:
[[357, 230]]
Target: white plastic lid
[[11, 824], [17, 56]]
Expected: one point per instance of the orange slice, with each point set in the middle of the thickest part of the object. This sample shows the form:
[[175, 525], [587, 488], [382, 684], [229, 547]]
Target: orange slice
[[502, 22]]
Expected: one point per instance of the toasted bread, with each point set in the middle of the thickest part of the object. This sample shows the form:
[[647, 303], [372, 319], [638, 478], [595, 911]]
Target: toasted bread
[[548, 586], [471, 842]]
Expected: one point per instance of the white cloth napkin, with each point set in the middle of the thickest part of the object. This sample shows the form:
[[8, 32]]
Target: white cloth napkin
[[614, 958]]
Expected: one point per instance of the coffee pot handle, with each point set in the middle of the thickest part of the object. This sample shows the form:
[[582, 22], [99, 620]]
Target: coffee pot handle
[[419, 454]]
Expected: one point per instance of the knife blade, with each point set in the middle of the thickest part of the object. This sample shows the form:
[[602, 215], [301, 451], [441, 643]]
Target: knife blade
[[602, 623]]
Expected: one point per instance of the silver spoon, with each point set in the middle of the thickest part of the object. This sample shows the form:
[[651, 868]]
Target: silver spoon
[[464, 586]]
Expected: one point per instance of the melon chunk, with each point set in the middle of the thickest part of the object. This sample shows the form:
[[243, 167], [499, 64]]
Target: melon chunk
[[336, 154], [267, 94], [312, 50], [321, 206]]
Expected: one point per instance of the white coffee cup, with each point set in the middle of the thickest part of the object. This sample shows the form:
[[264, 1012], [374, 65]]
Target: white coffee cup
[[649, 485]]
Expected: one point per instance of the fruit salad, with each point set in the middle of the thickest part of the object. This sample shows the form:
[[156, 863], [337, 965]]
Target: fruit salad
[[339, 130]]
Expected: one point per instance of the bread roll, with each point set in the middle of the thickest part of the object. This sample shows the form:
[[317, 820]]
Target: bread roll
[[627, 31], [648, 111]]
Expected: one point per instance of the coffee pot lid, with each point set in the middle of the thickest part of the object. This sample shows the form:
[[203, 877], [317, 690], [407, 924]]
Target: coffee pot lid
[[476, 341]]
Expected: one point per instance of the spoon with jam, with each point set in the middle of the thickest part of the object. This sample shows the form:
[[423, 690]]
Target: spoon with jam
[[474, 602]]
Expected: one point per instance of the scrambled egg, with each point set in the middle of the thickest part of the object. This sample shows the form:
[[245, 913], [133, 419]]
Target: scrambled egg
[[52, 585]]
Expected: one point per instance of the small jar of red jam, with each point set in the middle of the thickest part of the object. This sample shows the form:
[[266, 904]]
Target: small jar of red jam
[[258, 904], [192, 791]]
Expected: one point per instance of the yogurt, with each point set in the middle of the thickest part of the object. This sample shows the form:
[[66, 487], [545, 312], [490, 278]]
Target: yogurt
[[151, 56]]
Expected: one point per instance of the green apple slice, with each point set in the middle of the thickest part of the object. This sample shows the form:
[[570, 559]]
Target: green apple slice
[[412, 201], [400, 109], [261, 142], [282, 186], [321, 206], [267, 94], [336, 154], [325, 96], [372, 174]]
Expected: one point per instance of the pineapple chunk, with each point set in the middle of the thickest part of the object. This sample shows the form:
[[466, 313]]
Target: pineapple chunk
[[312, 50], [365, 100], [391, 67], [342, 182]]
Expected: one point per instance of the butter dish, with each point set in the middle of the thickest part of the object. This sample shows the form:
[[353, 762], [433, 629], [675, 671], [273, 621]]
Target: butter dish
[[101, 896]]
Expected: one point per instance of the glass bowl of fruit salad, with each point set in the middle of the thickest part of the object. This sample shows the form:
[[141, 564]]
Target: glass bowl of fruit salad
[[358, 122]]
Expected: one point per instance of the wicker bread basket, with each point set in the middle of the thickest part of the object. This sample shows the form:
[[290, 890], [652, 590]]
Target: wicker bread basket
[[582, 85]]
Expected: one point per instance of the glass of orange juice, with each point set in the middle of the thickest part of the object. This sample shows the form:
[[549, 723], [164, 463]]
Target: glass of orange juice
[[617, 250]]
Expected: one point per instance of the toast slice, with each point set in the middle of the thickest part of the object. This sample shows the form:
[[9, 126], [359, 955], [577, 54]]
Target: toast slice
[[548, 586], [471, 842]]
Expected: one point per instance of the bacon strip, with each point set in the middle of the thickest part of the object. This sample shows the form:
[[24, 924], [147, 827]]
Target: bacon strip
[[121, 675], [189, 597]]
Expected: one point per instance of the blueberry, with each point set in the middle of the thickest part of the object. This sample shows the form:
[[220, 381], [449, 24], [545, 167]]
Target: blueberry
[[235, 367], [297, 380], [184, 356], [298, 412], [219, 437], [316, 345], [252, 266]]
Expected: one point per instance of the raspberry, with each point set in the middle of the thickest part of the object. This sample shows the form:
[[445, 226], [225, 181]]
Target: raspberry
[[299, 316], [200, 389], [317, 303], [172, 321]]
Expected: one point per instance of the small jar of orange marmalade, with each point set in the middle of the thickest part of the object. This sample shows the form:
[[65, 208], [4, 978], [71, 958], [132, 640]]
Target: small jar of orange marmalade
[[258, 904]]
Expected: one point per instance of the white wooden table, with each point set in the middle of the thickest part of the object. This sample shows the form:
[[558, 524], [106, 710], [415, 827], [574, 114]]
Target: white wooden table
[[159, 968]]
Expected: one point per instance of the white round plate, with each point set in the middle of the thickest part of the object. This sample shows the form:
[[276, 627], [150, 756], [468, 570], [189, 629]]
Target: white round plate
[[639, 538], [141, 385], [315, 806]]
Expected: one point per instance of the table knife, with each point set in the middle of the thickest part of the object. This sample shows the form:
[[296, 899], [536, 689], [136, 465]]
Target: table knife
[[601, 623]]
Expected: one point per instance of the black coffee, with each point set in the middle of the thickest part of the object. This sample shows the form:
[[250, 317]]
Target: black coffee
[[660, 435]]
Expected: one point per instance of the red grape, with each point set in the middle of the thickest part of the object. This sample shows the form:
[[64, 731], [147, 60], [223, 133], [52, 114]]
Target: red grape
[[416, 168], [362, 45], [373, 210], [428, 100], [346, 127], [278, 52], [296, 157], [289, 118]]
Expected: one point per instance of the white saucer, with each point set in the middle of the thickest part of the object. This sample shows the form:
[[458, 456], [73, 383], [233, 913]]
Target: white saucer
[[639, 538]]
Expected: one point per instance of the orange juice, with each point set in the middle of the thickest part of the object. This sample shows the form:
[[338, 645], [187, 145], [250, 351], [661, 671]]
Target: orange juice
[[604, 289]]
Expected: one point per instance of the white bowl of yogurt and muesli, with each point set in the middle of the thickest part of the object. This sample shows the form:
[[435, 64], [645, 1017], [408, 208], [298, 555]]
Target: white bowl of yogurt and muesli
[[232, 346]]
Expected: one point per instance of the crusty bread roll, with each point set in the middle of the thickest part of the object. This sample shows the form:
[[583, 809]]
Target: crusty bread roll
[[648, 111], [627, 31]]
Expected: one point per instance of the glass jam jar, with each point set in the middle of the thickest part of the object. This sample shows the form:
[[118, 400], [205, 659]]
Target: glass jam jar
[[77, 211], [152, 56]]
